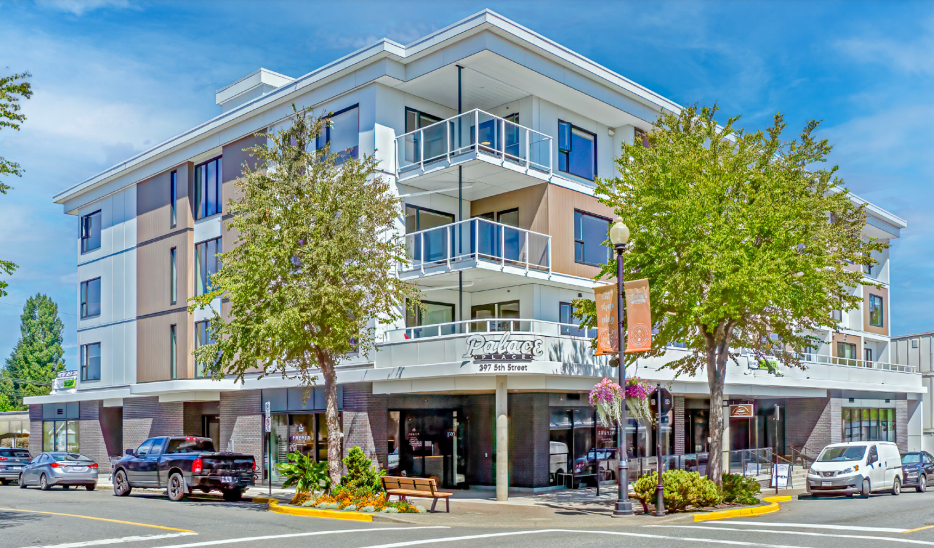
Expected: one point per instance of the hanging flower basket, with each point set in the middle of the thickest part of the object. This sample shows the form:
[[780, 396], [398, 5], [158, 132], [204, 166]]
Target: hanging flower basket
[[637, 399], [607, 397]]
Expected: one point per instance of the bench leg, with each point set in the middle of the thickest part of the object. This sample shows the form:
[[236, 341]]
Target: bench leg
[[447, 505], [433, 503]]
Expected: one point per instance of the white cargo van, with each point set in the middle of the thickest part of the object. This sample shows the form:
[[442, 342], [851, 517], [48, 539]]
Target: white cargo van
[[856, 467]]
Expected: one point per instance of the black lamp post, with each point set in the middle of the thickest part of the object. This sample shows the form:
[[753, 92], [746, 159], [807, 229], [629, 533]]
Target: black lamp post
[[619, 237]]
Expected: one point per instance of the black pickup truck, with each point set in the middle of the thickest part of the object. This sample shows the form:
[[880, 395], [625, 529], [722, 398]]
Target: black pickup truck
[[182, 464]]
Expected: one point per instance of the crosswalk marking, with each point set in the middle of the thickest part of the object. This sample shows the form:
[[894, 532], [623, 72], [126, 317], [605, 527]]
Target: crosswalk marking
[[842, 527], [121, 540], [798, 533]]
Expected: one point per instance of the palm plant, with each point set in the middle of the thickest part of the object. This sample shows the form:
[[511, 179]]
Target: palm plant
[[304, 473]]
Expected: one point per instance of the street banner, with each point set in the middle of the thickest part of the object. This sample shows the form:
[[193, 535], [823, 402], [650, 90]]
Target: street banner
[[607, 320], [638, 316]]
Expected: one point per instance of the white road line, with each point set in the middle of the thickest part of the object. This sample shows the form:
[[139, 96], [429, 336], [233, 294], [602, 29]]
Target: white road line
[[294, 535], [120, 540], [578, 532], [811, 526], [798, 533]]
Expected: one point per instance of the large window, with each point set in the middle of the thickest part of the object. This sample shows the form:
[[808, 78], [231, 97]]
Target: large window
[[590, 232], [875, 311], [577, 151], [505, 311], [566, 316], [91, 298], [435, 137], [91, 232], [202, 337], [206, 264], [342, 133], [173, 351], [868, 425], [208, 185], [60, 436], [91, 362], [431, 313], [173, 198], [173, 275]]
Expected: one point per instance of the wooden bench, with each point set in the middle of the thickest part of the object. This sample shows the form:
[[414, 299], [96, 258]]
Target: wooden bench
[[416, 487]]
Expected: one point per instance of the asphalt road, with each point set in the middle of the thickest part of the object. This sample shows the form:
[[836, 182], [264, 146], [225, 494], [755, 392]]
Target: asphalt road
[[74, 519]]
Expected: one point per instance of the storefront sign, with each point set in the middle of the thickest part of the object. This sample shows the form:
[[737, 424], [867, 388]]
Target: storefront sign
[[780, 475], [607, 320], [490, 348], [638, 316], [741, 411], [65, 381]]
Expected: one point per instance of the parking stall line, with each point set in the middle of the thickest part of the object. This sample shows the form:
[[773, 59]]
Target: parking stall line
[[98, 519], [797, 533], [812, 526], [121, 540], [299, 535]]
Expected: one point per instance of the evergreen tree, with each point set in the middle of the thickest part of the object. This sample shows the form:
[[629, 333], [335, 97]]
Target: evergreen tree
[[37, 358]]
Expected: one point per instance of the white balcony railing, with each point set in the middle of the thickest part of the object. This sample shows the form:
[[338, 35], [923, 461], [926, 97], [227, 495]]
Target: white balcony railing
[[853, 362], [477, 239], [491, 325], [476, 132]]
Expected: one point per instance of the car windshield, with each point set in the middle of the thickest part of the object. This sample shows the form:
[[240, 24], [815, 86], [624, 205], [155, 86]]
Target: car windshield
[[69, 456], [912, 458], [842, 453]]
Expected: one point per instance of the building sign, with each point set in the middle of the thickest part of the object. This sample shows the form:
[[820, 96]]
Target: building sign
[[65, 381], [503, 349], [741, 411], [638, 316], [607, 320]]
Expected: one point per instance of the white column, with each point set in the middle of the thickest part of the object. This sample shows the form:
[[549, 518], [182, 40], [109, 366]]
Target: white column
[[502, 441]]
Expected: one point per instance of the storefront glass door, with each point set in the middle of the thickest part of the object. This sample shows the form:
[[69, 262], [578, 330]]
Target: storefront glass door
[[429, 444]]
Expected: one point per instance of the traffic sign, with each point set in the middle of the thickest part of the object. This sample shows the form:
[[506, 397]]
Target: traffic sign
[[268, 411], [667, 400]]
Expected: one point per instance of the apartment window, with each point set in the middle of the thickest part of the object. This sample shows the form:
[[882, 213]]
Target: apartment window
[[868, 424], [342, 133], [173, 275], [415, 119], [91, 232], [867, 354], [846, 350], [875, 311], [173, 198], [435, 138], [590, 231], [91, 298], [173, 350], [202, 337], [206, 264], [566, 317], [506, 311], [431, 313], [208, 188], [577, 151], [91, 362]]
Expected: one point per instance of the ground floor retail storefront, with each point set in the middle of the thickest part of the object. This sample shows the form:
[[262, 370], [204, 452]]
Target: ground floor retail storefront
[[553, 438]]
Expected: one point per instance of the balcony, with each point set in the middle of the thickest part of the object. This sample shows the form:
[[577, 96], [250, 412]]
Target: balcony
[[471, 137], [852, 362], [476, 243], [490, 325]]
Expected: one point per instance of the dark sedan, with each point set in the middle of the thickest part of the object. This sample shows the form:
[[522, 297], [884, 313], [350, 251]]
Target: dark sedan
[[12, 461], [918, 467]]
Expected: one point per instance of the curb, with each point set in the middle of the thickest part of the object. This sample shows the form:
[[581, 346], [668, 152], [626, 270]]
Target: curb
[[772, 506], [312, 512]]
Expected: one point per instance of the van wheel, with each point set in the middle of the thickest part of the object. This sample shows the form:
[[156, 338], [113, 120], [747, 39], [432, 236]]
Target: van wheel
[[896, 486], [922, 484], [176, 487], [121, 484], [865, 490]]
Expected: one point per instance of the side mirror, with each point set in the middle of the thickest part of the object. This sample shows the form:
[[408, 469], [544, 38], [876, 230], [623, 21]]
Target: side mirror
[[130, 452]]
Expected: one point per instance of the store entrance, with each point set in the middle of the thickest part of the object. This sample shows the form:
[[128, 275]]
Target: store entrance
[[429, 444]]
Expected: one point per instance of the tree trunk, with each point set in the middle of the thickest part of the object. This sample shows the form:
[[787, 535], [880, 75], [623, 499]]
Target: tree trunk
[[715, 424], [334, 429]]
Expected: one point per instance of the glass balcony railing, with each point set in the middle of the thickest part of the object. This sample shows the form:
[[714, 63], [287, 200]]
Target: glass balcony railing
[[476, 132], [489, 325], [853, 362], [477, 239]]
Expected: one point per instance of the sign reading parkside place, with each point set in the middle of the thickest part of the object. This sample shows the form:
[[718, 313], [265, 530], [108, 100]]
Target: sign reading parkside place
[[503, 349]]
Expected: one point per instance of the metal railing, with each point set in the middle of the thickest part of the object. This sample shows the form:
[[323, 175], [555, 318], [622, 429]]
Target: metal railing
[[477, 239], [491, 325], [473, 131], [853, 362], [800, 458]]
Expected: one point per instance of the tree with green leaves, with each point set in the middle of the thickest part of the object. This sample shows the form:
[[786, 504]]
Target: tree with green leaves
[[312, 269], [747, 244], [12, 89], [36, 359]]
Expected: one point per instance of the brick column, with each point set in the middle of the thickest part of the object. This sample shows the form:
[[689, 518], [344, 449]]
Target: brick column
[[812, 423], [191, 418], [529, 433], [364, 422], [145, 418], [35, 429], [91, 436], [901, 425], [242, 423], [679, 425]]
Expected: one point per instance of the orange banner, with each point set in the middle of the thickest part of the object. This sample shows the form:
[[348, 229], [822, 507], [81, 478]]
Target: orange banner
[[607, 320], [638, 316]]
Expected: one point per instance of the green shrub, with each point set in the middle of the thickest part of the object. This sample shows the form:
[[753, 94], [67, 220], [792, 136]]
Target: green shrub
[[681, 489], [305, 474], [362, 478], [740, 489]]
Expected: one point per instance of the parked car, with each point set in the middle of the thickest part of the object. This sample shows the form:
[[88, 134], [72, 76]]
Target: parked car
[[12, 461], [558, 457], [180, 464], [602, 460], [918, 467], [860, 467], [59, 468]]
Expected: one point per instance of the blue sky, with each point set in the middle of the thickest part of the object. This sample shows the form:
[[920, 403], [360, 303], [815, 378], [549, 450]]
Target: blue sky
[[112, 78]]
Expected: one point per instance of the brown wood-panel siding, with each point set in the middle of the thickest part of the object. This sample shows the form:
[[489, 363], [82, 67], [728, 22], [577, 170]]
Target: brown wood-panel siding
[[884, 293], [153, 273], [561, 205], [234, 158], [153, 347], [849, 339], [153, 217], [531, 202]]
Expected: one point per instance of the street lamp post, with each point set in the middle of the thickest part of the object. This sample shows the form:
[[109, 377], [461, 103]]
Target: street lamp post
[[619, 237]]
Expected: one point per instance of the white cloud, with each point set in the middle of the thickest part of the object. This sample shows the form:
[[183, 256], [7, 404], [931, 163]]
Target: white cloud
[[913, 56], [80, 7]]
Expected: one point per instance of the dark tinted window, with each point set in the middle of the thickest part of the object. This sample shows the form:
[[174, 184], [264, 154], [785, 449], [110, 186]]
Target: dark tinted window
[[16, 453], [69, 456], [190, 445], [91, 232], [91, 298], [144, 448], [590, 232]]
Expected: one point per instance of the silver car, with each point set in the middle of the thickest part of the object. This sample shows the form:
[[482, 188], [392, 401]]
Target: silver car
[[12, 461], [59, 468]]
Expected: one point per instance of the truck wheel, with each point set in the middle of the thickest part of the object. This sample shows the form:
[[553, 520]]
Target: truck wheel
[[121, 484], [922, 484], [896, 486], [232, 495], [176, 487], [866, 489], [43, 483]]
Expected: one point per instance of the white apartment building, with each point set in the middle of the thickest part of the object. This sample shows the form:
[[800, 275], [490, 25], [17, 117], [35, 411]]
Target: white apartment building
[[493, 136]]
